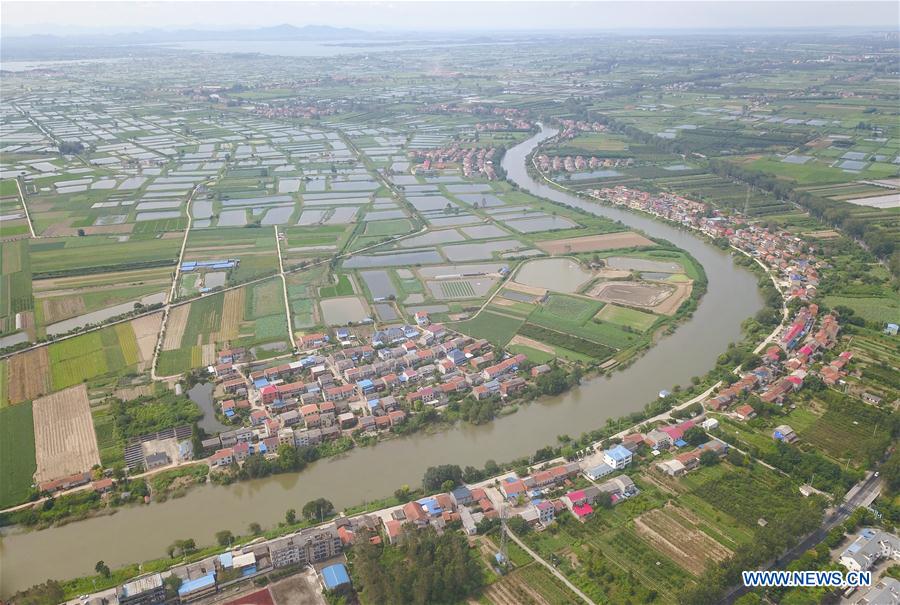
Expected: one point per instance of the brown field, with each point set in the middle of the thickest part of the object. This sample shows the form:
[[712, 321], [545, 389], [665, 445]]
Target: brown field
[[175, 327], [232, 315], [825, 234], [675, 532], [146, 332], [29, 375], [64, 438], [62, 307], [630, 293], [109, 229], [526, 289], [534, 344], [129, 393], [594, 243], [12, 261], [513, 590], [112, 280], [209, 354], [670, 305], [223, 247]]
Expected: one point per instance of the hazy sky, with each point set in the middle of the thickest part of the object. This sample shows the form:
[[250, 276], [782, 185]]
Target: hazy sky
[[26, 17]]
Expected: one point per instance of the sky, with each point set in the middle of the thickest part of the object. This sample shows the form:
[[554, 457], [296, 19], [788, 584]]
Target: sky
[[77, 17]]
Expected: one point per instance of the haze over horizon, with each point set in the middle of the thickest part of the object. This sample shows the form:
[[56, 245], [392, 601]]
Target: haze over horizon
[[79, 18]]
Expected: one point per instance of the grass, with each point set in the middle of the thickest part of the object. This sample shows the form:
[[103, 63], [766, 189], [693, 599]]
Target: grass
[[94, 254], [388, 228], [624, 316], [498, 329], [344, 287], [17, 461], [880, 309], [533, 355]]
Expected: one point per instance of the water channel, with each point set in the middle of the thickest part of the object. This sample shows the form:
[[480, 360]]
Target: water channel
[[143, 532]]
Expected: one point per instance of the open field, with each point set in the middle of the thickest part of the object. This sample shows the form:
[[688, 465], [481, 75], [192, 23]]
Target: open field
[[594, 243], [17, 462], [675, 532], [94, 354], [497, 328], [623, 316], [64, 441], [175, 327], [146, 331], [28, 375]]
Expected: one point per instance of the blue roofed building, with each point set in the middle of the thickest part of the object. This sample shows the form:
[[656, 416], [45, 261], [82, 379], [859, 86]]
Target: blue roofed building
[[431, 506], [618, 456], [335, 576], [601, 470], [197, 588]]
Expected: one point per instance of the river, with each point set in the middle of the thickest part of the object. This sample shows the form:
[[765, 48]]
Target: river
[[143, 532]]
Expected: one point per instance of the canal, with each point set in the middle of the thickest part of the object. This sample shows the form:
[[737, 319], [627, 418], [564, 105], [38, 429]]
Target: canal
[[140, 533]]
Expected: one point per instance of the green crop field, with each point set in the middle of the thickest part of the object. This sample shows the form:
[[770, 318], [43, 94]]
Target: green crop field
[[388, 228], [498, 329], [343, 288], [17, 462], [96, 254], [624, 316], [457, 289], [91, 355], [882, 309]]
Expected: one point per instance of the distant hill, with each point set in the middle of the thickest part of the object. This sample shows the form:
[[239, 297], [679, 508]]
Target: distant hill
[[283, 32]]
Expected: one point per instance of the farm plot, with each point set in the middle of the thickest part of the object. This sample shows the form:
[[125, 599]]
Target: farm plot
[[91, 355], [60, 257], [201, 322], [594, 243], [146, 332], [676, 533], [17, 462], [643, 295], [496, 328], [28, 375], [623, 316], [175, 327], [850, 430], [64, 437]]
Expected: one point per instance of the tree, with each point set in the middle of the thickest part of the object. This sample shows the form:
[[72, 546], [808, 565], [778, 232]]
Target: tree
[[709, 458], [102, 569], [255, 529], [172, 584], [290, 516], [695, 436], [435, 476], [318, 509], [224, 537], [48, 593]]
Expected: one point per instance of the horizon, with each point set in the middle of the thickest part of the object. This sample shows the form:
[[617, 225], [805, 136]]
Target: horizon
[[23, 19]]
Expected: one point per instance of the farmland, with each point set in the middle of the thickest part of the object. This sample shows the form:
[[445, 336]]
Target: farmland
[[17, 460], [65, 442]]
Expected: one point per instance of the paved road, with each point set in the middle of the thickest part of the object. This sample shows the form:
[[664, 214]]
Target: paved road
[[552, 569], [861, 494]]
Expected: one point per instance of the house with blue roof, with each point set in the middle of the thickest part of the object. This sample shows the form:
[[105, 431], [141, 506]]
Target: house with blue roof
[[431, 506], [197, 588], [457, 356], [335, 576], [618, 456], [601, 470]]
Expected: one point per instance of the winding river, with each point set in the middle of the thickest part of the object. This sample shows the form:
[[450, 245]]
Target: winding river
[[140, 533]]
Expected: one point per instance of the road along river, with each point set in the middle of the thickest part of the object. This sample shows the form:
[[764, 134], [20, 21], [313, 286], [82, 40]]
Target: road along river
[[143, 532]]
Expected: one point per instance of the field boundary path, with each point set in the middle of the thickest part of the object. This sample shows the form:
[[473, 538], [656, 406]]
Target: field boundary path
[[25, 208], [174, 288], [284, 288], [562, 578]]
